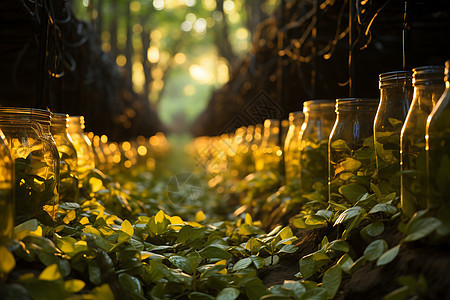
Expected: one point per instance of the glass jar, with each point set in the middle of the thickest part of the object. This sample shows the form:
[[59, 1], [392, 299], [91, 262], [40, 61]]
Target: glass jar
[[36, 162], [292, 150], [6, 192], [351, 157], [83, 147], [395, 97], [428, 85], [268, 156], [313, 140], [68, 186], [438, 149]]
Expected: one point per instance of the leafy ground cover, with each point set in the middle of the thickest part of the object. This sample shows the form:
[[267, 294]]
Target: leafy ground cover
[[128, 238]]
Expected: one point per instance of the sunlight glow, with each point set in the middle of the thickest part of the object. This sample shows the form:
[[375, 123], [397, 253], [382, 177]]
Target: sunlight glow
[[179, 58], [153, 54], [158, 4], [189, 3], [186, 26], [201, 74], [228, 5], [121, 60], [200, 25]]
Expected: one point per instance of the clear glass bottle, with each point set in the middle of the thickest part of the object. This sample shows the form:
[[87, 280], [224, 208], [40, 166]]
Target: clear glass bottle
[[428, 85], [395, 97], [438, 150], [68, 186], [36, 162], [268, 157], [313, 139], [351, 157], [83, 147], [292, 148], [6, 193]]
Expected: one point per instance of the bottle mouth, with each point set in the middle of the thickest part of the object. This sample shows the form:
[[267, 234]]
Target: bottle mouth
[[25, 114], [428, 75], [318, 105], [357, 104], [60, 120], [395, 78], [446, 71]]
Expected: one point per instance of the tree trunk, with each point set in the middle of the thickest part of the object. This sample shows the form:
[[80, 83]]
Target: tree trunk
[[145, 39], [222, 37]]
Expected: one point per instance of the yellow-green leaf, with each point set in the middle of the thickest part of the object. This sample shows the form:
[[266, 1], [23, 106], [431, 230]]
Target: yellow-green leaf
[[51, 273], [200, 216], [7, 261], [127, 228], [74, 285]]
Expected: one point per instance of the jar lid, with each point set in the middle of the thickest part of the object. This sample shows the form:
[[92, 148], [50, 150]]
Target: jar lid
[[25, 114], [318, 105], [428, 75], [354, 104], [76, 120]]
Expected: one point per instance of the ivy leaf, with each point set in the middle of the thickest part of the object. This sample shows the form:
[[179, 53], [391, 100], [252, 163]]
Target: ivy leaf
[[351, 165], [332, 280], [352, 192], [215, 252], [388, 256], [345, 262], [199, 296], [74, 285], [257, 261], [383, 207], [254, 245], [242, 264], [181, 263], [228, 294], [375, 249], [7, 261], [373, 229], [131, 284]]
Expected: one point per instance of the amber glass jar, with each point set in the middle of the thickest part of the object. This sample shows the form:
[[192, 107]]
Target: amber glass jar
[[6, 192], [83, 147], [428, 85], [268, 156], [396, 93], [68, 186], [313, 139], [292, 148], [351, 158], [36, 162], [438, 151]]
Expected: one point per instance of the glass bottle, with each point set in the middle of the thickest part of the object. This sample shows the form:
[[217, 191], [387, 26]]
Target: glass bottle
[[291, 148], [313, 140], [36, 160], [68, 186], [428, 87], [83, 147], [268, 155], [395, 97], [438, 150], [351, 157], [6, 192]]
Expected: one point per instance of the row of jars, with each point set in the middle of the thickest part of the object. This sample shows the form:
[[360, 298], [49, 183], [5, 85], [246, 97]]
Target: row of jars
[[41, 164], [337, 149]]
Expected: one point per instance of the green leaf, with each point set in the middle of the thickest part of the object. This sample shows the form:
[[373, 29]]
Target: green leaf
[[181, 263], [373, 229], [254, 245], [228, 294], [420, 228], [388, 256], [257, 261], [242, 264], [104, 292], [127, 228], [332, 280], [383, 207], [398, 294], [345, 262], [199, 296], [315, 294], [22, 230], [340, 144], [349, 214], [350, 164], [7, 261], [50, 273], [338, 245], [375, 249], [352, 192], [131, 284], [288, 249], [215, 252]]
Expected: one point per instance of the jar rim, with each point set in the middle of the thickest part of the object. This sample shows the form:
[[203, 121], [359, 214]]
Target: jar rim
[[320, 104], [395, 75], [27, 114], [357, 104], [427, 74]]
